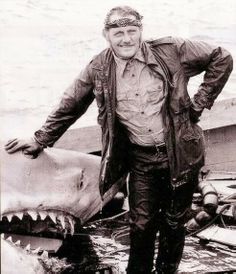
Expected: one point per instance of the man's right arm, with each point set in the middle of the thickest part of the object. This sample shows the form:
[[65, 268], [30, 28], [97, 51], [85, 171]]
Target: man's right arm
[[73, 105]]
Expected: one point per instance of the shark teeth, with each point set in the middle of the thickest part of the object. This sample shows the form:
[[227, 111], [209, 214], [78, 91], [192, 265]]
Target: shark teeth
[[19, 215], [17, 243], [43, 215], [27, 248], [36, 251], [33, 214], [72, 225], [9, 239], [61, 218], [53, 215], [9, 217], [44, 255]]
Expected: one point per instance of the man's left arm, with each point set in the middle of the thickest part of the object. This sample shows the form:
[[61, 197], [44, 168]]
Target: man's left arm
[[216, 62]]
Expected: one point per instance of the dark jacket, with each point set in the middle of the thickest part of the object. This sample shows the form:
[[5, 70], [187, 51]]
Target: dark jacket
[[176, 60]]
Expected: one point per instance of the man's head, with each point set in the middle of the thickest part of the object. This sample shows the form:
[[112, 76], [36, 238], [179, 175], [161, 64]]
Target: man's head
[[123, 31]]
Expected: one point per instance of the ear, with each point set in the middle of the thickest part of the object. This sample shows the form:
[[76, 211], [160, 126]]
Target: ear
[[105, 34]]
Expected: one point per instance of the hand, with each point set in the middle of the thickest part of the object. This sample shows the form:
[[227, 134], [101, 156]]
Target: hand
[[194, 114], [30, 147]]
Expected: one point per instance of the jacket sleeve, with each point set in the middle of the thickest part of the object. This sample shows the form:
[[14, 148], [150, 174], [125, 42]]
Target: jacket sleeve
[[217, 63], [74, 103]]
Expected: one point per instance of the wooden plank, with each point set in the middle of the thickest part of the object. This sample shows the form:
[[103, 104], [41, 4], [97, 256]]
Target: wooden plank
[[217, 234], [220, 145], [87, 139]]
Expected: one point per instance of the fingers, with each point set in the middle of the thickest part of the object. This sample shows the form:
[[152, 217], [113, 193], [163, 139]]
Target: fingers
[[14, 145], [29, 147], [10, 141], [11, 145]]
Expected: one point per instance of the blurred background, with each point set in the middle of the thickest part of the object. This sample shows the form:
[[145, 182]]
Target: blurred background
[[44, 45]]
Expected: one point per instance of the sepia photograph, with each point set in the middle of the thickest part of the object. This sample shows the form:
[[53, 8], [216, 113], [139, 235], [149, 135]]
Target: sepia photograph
[[118, 136]]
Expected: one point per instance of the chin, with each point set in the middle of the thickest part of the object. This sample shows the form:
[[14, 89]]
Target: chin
[[126, 55]]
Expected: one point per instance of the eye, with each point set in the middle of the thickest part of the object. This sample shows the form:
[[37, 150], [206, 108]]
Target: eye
[[132, 32], [118, 34]]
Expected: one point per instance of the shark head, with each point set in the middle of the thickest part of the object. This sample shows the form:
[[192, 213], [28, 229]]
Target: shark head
[[60, 186]]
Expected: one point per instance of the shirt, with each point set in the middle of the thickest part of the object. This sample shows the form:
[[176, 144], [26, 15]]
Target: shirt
[[140, 95]]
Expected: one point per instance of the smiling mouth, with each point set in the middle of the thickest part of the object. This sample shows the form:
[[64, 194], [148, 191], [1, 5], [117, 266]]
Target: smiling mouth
[[126, 46]]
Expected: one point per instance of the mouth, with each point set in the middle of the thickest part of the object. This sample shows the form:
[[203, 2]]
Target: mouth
[[40, 233], [126, 46], [43, 223]]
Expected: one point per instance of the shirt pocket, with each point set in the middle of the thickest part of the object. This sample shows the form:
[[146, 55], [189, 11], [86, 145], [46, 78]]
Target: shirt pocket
[[155, 95]]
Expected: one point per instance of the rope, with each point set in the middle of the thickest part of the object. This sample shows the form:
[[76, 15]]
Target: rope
[[108, 219]]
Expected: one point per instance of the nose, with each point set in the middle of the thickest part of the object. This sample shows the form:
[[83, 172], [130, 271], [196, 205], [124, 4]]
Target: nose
[[126, 38]]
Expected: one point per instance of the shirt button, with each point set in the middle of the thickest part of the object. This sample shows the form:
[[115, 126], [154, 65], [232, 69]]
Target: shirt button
[[133, 75], [136, 94], [149, 130], [142, 112]]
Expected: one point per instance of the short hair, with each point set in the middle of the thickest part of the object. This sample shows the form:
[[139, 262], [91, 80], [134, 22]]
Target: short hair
[[123, 11]]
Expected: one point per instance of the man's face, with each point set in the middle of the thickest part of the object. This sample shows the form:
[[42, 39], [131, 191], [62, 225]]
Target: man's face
[[125, 41]]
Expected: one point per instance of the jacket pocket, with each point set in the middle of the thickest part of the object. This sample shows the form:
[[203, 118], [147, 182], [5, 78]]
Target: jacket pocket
[[192, 145]]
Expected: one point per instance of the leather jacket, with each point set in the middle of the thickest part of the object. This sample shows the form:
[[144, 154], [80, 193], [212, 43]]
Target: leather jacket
[[176, 61]]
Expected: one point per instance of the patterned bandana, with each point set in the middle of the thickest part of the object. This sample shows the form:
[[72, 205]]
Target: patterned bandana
[[123, 22]]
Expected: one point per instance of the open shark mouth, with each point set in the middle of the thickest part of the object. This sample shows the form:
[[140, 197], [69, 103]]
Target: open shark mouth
[[50, 223], [36, 236], [31, 260]]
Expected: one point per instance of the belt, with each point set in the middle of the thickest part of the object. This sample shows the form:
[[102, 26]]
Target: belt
[[157, 148]]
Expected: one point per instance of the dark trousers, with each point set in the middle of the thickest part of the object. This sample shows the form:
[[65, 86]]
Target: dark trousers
[[155, 206]]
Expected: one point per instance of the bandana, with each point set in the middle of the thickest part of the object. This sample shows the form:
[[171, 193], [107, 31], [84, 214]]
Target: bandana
[[123, 22]]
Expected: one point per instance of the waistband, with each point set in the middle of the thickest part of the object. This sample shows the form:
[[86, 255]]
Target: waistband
[[157, 148]]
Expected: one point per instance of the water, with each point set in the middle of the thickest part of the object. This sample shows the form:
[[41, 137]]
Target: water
[[44, 45]]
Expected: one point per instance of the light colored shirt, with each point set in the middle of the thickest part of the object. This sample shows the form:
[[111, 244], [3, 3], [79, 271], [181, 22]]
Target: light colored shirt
[[140, 95]]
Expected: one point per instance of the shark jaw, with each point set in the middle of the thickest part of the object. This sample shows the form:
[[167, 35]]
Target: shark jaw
[[48, 223]]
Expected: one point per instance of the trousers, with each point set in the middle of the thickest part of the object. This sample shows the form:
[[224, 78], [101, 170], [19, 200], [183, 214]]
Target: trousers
[[156, 206]]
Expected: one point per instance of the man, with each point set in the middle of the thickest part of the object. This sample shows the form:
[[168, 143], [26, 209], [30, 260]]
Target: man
[[149, 128]]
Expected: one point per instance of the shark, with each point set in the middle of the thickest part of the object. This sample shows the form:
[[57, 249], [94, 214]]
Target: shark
[[50, 196]]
